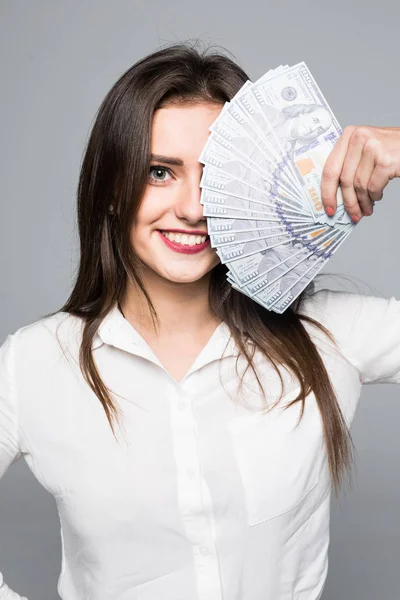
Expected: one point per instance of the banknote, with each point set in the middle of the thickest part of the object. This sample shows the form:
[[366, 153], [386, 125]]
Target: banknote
[[230, 128], [214, 211], [253, 124], [283, 299], [270, 229], [254, 261], [230, 124], [285, 255], [316, 241], [217, 153], [287, 280], [220, 152], [261, 186], [241, 181], [223, 225], [278, 208], [303, 125], [250, 107]]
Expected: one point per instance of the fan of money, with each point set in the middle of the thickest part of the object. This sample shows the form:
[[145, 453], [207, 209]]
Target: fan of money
[[261, 186]]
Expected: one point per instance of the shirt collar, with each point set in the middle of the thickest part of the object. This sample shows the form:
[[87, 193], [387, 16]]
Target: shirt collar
[[108, 326], [117, 331]]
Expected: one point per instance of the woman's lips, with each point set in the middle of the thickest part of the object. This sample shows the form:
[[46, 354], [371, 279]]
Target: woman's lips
[[184, 248]]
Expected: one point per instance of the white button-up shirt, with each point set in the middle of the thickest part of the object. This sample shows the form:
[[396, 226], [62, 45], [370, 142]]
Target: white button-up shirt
[[202, 496]]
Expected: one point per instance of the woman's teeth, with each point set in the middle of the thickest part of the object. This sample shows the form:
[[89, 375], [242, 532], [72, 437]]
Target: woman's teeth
[[182, 238]]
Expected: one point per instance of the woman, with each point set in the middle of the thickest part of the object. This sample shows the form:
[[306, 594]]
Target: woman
[[141, 404]]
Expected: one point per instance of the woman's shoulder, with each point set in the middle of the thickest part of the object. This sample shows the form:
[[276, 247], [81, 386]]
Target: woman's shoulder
[[340, 308], [35, 337], [366, 328]]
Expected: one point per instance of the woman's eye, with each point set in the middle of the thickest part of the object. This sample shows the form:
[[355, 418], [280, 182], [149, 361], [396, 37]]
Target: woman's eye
[[157, 174]]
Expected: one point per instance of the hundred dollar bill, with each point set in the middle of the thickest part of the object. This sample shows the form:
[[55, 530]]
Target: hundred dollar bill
[[245, 235], [220, 153], [232, 225], [261, 186], [250, 107], [209, 197], [253, 125], [283, 301], [251, 110], [287, 280], [262, 240], [235, 178], [271, 73], [295, 290], [228, 128], [222, 225], [214, 211], [239, 204], [291, 269], [269, 296], [246, 269], [281, 260], [297, 278], [315, 239], [279, 302], [217, 154], [227, 254], [218, 185], [302, 121], [270, 229], [284, 255], [216, 180]]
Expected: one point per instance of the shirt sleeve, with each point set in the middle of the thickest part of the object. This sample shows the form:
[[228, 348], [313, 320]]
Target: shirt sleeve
[[366, 330], [9, 444]]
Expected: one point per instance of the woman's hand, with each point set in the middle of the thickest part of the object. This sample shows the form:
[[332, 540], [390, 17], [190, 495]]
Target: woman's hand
[[362, 162]]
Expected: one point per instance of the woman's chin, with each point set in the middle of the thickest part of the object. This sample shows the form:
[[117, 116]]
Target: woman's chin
[[187, 278], [184, 276]]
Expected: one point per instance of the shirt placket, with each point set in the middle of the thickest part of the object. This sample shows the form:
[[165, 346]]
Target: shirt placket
[[193, 505]]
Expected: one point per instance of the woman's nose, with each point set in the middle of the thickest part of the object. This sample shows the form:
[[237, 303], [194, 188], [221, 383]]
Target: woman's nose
[[188, 205]]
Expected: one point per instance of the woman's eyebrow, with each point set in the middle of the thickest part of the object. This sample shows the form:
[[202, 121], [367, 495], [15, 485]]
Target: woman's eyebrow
[[170, 160]]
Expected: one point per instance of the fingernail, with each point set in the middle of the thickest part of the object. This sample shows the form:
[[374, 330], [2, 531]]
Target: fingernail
[[330, 211], [355, 218]]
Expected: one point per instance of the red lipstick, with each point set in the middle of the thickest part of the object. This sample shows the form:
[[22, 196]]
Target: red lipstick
[[184, 248]]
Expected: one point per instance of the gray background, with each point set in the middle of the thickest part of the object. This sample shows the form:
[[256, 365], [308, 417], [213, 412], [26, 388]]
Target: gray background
[[58, 60]]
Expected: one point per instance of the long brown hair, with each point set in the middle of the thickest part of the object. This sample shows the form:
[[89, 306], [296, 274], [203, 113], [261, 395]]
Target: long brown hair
[[115, 171]]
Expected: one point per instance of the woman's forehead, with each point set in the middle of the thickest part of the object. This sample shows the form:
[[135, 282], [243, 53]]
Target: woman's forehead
[[182, 128]]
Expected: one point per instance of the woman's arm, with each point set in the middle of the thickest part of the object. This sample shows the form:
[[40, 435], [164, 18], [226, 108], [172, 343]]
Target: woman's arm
[[9, 438], [366, 330]]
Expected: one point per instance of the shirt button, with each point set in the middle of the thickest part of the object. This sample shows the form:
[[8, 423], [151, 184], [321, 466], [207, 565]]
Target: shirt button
[[204, 551], [190, 473], [181, 406]]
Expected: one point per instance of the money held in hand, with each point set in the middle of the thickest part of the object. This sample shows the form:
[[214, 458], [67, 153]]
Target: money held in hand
[[261, 186]]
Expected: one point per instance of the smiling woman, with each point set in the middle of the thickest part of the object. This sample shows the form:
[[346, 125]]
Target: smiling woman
[[171, 202], [205, 496]]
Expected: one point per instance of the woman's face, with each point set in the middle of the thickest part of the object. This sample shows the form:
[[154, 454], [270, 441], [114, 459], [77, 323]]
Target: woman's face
[[169, 229]]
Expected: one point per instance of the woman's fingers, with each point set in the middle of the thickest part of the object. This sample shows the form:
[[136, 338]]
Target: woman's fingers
[[332, 171], [362, 163], [363, 176], [379, 179], [354, 199]]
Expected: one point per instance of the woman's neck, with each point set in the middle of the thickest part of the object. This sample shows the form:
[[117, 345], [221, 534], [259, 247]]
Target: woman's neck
[[180, 307]]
